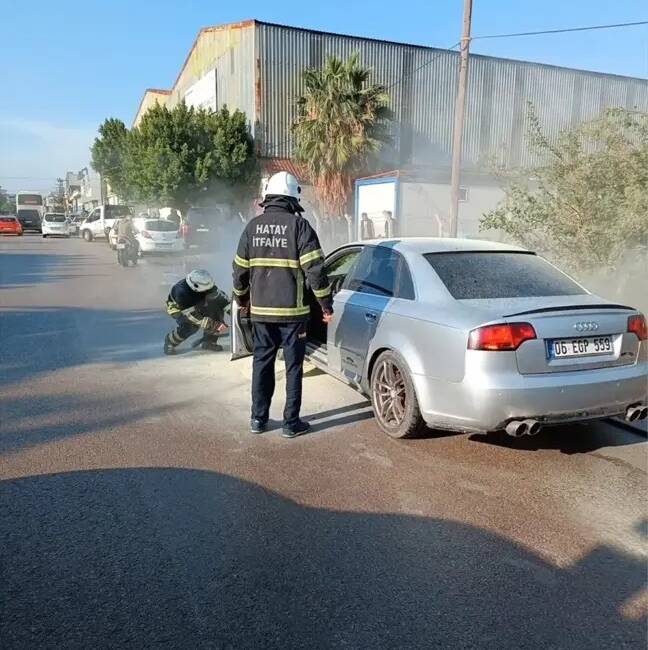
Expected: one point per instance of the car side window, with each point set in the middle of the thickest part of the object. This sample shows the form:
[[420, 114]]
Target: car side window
[[381, 271], [375, 272], [405, 283], [338, 269]]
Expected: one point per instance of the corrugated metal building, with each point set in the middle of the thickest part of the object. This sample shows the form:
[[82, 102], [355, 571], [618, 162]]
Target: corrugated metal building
[[257, 68]]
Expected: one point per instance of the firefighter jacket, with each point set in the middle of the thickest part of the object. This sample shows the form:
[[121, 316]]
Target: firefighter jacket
[[196, 306], [277, 253]]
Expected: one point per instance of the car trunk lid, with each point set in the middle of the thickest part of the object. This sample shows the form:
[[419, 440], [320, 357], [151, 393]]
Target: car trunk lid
[[580, 332]]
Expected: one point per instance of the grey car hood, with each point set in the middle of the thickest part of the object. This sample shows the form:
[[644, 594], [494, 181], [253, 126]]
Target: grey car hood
[[492, 309]]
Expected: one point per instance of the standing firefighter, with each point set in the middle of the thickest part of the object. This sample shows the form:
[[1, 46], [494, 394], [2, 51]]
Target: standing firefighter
[[195, 303], [278, 250]]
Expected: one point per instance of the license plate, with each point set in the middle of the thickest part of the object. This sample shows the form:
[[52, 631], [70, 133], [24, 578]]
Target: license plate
[[202, 229], [580, 347]]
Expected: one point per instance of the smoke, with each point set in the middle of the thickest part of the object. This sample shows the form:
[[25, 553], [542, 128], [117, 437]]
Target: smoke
[[627, 284]]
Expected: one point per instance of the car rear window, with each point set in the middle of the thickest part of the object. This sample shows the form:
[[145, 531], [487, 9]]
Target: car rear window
[[56, 218], [203, 217], [161, 226], [8, 219], [494, 274]]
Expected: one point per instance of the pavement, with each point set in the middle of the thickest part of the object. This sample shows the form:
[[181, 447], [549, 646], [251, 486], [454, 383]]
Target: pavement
[[137, 511]]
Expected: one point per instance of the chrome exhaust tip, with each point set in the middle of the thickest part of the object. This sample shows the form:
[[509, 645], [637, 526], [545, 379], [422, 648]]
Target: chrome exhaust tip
[[633, 413], [516, 428], [532, 427]]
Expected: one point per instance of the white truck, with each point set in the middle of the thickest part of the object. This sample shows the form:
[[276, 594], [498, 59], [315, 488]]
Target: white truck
[[99, 222]]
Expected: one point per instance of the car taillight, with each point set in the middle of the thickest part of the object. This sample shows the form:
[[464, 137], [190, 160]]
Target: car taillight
[[503, 336], [637, 325], [146, 234], [184, 229]]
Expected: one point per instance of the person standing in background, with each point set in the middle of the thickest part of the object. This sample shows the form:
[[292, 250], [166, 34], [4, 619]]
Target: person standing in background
[[367, 230]]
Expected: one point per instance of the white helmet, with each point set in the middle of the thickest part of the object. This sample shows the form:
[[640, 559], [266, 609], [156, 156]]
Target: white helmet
[[200, 280], [283, 184]]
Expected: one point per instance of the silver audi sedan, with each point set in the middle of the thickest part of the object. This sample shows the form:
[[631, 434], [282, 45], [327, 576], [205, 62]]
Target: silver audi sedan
[[473, 336]]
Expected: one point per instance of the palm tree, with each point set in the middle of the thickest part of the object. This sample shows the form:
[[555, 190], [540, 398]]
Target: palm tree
[[342, 120]]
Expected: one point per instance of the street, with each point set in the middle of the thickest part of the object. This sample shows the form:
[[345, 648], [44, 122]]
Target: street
[[137, 511]]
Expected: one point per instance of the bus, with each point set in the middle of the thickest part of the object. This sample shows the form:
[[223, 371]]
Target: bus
[[30, 208]]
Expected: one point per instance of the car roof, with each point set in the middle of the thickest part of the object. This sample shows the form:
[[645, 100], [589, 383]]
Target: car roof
[[422, 245]]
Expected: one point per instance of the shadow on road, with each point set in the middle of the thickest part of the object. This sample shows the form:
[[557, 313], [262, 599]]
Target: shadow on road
[[177, 558], [568, 439], [26, 269], [39, 419], [38, 340]]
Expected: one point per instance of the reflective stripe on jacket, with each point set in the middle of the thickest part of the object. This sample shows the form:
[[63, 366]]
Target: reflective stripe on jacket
[[278, 252]]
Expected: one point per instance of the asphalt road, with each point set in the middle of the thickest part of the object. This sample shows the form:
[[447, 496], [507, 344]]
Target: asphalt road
[[136, 510]]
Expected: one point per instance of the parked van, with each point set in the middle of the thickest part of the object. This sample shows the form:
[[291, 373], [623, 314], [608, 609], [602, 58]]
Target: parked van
[[99, 222]]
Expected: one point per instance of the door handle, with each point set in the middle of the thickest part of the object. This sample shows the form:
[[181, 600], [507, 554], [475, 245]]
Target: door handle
[[370, 317]]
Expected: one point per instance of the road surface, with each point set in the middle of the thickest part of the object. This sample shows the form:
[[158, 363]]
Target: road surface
[[137, 511]]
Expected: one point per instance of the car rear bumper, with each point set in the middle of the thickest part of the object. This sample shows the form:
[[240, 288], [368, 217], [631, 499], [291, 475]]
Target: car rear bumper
[[155, 247], [488, 402]]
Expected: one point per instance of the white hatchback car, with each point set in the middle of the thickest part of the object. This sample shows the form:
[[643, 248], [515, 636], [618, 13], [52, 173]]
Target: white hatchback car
[[159, 236], [55, 223]]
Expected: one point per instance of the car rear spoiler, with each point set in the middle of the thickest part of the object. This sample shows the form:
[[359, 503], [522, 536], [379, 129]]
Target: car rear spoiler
[[572, 308]]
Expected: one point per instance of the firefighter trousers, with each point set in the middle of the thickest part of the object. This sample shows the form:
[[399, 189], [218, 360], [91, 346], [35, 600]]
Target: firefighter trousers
[[268, 338]]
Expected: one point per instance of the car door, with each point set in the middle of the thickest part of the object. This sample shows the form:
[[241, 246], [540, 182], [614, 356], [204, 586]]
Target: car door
[[338, 265], [366, 294], [93, 220]]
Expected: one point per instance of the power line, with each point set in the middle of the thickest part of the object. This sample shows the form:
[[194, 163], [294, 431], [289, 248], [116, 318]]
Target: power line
[[561, 31], [425, 64]]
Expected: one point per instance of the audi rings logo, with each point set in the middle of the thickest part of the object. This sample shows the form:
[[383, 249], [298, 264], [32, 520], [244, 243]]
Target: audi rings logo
[[586, 326]]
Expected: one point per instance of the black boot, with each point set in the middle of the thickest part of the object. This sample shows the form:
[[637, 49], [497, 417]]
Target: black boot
[[211, 343]]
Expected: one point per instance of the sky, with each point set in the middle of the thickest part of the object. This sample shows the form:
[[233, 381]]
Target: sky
[[66, 66]]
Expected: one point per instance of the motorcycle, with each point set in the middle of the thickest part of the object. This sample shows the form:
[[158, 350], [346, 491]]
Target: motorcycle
[[126, 252]]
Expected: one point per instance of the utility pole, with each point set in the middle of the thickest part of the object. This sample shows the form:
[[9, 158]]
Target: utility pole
[[460, 106]]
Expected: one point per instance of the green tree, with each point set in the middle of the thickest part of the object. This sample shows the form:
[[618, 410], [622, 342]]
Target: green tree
[[109, 153], [586, 203], [342, 120], [7, 206], [175, 156]]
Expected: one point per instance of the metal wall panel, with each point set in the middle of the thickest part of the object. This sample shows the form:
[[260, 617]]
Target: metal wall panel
[[230, 50], [422, 83]]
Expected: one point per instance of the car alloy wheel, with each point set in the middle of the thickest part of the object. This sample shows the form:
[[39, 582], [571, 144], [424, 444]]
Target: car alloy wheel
[[389, 394], [393, 397]]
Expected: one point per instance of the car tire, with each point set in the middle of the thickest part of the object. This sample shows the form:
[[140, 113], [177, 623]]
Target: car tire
[[87, 235], [393, 397], [44, 236]]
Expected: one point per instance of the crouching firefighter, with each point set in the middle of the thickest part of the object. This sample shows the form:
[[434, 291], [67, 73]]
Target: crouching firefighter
[[196, 303], [277, 253]]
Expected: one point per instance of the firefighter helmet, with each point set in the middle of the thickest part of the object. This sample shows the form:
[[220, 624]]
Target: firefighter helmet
[[282, 184], [200, 280]]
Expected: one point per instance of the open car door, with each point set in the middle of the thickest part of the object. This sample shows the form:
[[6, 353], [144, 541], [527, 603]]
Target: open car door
[[241, 333]]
